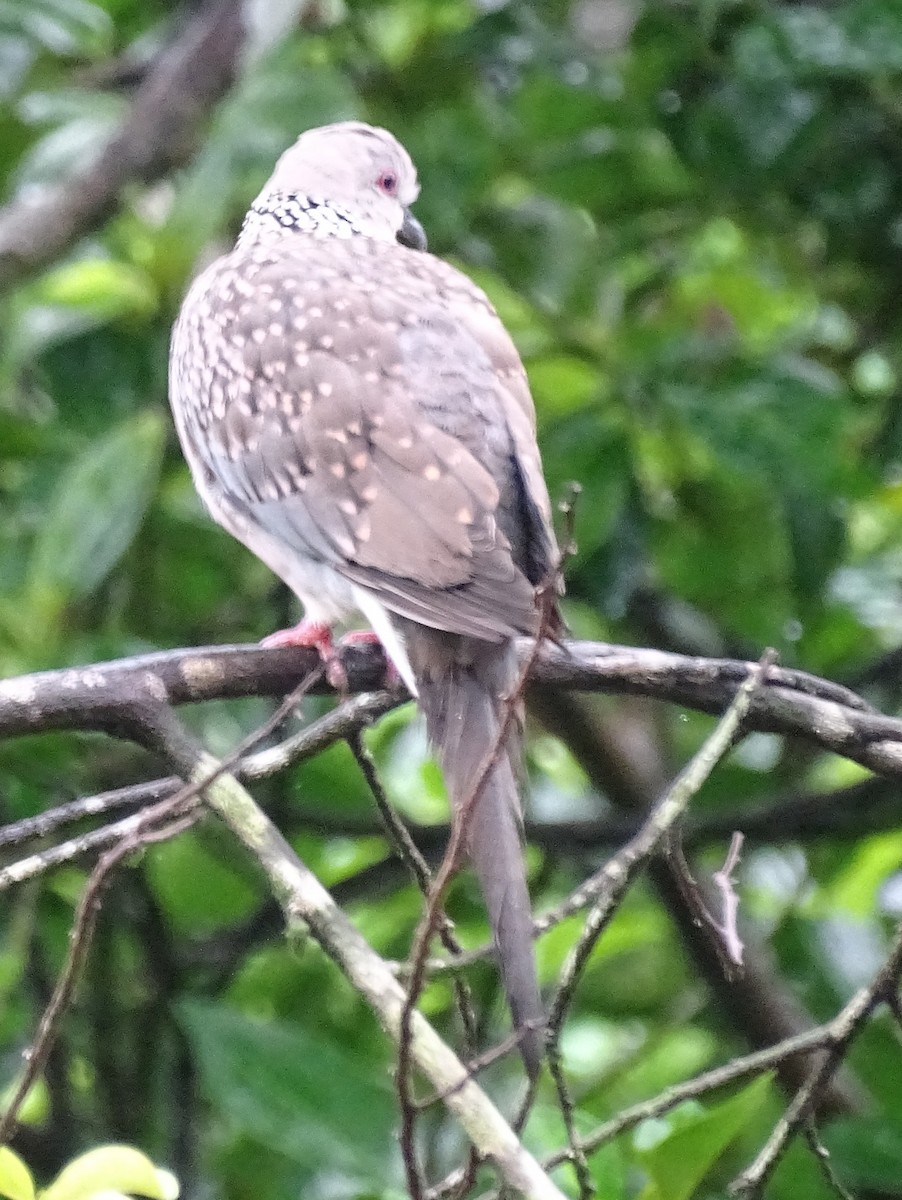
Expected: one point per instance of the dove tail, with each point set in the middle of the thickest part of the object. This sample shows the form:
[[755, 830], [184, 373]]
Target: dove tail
[[463, 684]]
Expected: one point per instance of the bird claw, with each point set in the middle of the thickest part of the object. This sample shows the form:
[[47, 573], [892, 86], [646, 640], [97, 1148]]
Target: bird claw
[[317, 635]]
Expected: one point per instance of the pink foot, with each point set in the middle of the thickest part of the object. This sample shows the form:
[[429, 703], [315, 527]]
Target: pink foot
[[318, 636], [315, 634]]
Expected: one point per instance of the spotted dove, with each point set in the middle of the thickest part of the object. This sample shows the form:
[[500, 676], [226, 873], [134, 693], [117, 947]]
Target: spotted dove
[[353, 411]]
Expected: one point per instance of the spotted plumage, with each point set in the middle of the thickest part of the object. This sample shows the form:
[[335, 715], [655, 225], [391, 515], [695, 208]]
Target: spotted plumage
[[354, 411]]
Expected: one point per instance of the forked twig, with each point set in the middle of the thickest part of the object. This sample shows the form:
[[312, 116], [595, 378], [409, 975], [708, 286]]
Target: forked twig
[[841, 1031], [160, 821], [620, 872]]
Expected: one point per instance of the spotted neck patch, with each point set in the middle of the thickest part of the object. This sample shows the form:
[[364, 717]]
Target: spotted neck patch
[[278, 213]]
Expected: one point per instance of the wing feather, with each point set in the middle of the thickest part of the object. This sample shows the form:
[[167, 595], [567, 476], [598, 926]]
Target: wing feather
[[386, 432]]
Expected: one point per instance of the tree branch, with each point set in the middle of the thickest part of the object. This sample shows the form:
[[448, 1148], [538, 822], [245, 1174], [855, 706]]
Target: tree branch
[[307, 905], [134, 697], [792, 702], [757, 1003], [157, 134], [867, 807]]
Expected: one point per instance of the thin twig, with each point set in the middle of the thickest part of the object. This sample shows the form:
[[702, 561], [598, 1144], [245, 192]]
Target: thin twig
[[407, 851], [334, 726], [584, 1182], [843, 1029], [348, 718], [725, 883], [619, 873], [822, 1157], [41, 825], [709, 1081], [723, 933], [43, 861], [395, 829], [79, 944]]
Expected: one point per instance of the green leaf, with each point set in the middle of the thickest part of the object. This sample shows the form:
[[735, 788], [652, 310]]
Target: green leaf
[[864, 870], [65, 27], [609, 1172], [35, 1107], [96, 510], [866, 1152], [679, 1162], [21, 437], [104, 287], [199, 892], [110, 1170], [817, 537], [15, 1178], [297, 1092]]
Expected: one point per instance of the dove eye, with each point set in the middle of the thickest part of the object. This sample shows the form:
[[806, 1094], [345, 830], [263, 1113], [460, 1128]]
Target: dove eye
[[388, 183]]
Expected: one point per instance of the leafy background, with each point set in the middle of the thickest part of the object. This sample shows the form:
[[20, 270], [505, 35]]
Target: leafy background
[[689, 216]]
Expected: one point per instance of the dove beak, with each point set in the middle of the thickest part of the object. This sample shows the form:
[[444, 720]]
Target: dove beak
[[412, 233]]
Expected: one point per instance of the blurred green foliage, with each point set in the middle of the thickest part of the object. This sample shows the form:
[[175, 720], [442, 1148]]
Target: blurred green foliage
[[689, 216]]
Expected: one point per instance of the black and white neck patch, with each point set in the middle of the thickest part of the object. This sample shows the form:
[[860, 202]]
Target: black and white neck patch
[[291, 212]]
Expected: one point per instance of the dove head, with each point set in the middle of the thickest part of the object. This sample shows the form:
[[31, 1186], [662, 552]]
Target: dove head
[[341, 180]]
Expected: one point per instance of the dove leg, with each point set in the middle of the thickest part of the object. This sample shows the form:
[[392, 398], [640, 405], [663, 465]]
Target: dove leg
[[318, 636], [315, 634]]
